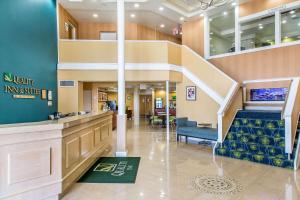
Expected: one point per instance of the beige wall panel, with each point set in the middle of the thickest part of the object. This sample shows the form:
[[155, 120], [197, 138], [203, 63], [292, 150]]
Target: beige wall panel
[[111, 76], [86, 142], [105, 132], [97, 136], [68, 98], [146, 52], [30, 162], [88, 75], [254, 6], [87, 51], [193, 35], [272, 63], [209, 75], [72, 151], [174, 54], [28, 165], [203, 110], [175, 77]]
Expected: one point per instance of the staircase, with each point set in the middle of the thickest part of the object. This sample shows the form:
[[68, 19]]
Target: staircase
[[258, 136]]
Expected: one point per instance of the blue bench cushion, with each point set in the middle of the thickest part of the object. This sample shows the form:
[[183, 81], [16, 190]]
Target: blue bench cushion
[[203, 133]]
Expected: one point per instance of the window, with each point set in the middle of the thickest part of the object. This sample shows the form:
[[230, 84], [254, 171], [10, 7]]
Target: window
[[222, 34], [290, 25], [258, 33], [227, 32]]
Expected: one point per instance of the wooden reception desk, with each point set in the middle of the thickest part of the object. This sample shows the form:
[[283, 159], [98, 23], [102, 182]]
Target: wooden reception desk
[[42, 160]]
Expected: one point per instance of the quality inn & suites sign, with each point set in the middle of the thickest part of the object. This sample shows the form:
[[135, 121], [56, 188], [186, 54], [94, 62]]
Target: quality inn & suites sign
[[20, 87]]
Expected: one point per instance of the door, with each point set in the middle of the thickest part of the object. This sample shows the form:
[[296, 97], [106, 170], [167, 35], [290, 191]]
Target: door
[[145, 105]]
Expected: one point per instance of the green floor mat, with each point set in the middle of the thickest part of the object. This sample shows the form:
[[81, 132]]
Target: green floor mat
[[112, 170]]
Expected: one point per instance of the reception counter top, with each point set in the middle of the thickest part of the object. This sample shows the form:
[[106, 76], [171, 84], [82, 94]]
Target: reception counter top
[[53, 124], [41, 160]]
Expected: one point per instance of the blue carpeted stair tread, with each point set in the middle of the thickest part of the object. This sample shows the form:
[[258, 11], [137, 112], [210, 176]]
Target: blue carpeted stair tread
[[258, 136]]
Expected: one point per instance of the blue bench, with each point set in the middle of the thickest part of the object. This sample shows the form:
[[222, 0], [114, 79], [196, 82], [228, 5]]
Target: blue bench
[[189, 129]]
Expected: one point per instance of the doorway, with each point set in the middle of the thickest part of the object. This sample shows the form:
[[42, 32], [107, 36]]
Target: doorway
[[145, 105]]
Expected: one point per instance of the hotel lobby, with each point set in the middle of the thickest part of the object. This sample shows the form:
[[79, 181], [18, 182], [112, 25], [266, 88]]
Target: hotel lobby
[[149, 99]]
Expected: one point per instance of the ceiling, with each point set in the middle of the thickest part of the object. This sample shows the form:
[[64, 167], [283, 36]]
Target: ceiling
[[151, 13]]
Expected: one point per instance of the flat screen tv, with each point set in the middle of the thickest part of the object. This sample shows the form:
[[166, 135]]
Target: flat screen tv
[[268, 94]]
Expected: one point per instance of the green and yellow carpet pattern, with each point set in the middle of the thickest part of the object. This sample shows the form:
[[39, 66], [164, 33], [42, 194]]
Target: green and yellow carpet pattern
[[258, 136], [112, 170]]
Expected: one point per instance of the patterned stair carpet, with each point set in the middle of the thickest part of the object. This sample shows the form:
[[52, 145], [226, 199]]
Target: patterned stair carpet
[[258, 136]]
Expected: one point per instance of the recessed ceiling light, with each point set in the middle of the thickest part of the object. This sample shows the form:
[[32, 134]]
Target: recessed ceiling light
[[298, 24], [161, 8], [201, 15], [136, 5], [241, 32], [95, 15], [292, 12], [211, 33], [293, 16], [225, 13], [180, 33], [162, 26], [132, 15], [283, 21], [181, 18], [233, 4], [75, 0], [259, 24], [261, 27]]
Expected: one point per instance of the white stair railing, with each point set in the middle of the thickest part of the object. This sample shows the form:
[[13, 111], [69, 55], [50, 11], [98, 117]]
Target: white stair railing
[[291, 115]]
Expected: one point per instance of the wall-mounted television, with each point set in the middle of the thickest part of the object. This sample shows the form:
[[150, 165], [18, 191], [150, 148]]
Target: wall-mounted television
[[268, 94]]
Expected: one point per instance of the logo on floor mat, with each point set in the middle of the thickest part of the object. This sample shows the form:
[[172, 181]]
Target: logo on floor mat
[[105, 167]]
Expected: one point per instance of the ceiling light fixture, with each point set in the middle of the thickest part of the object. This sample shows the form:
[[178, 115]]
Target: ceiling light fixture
[[201, 15], [283, 21], [292, 12], [75, 0], [162, 26], [293, 16], [261, 27], [132, 15], [136, 5], [95, 15], [233, 4], [225, 13], [298, 24], [161, 8], [204, 4], [181, 18]]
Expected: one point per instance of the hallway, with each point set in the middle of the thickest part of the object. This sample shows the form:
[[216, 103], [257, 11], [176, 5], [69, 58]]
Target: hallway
[[179, 171]]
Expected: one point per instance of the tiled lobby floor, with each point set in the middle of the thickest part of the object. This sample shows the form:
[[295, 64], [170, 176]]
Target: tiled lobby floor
[[168, 170]]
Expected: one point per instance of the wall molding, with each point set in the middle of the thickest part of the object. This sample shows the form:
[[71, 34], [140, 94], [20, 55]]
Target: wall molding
[[146, 67]]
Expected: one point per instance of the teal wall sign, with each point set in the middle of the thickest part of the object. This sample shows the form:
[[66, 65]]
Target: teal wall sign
[[28, 60]]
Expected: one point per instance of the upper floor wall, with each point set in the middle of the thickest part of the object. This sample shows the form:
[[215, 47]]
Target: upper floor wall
[[86, 30], [277, 59]]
